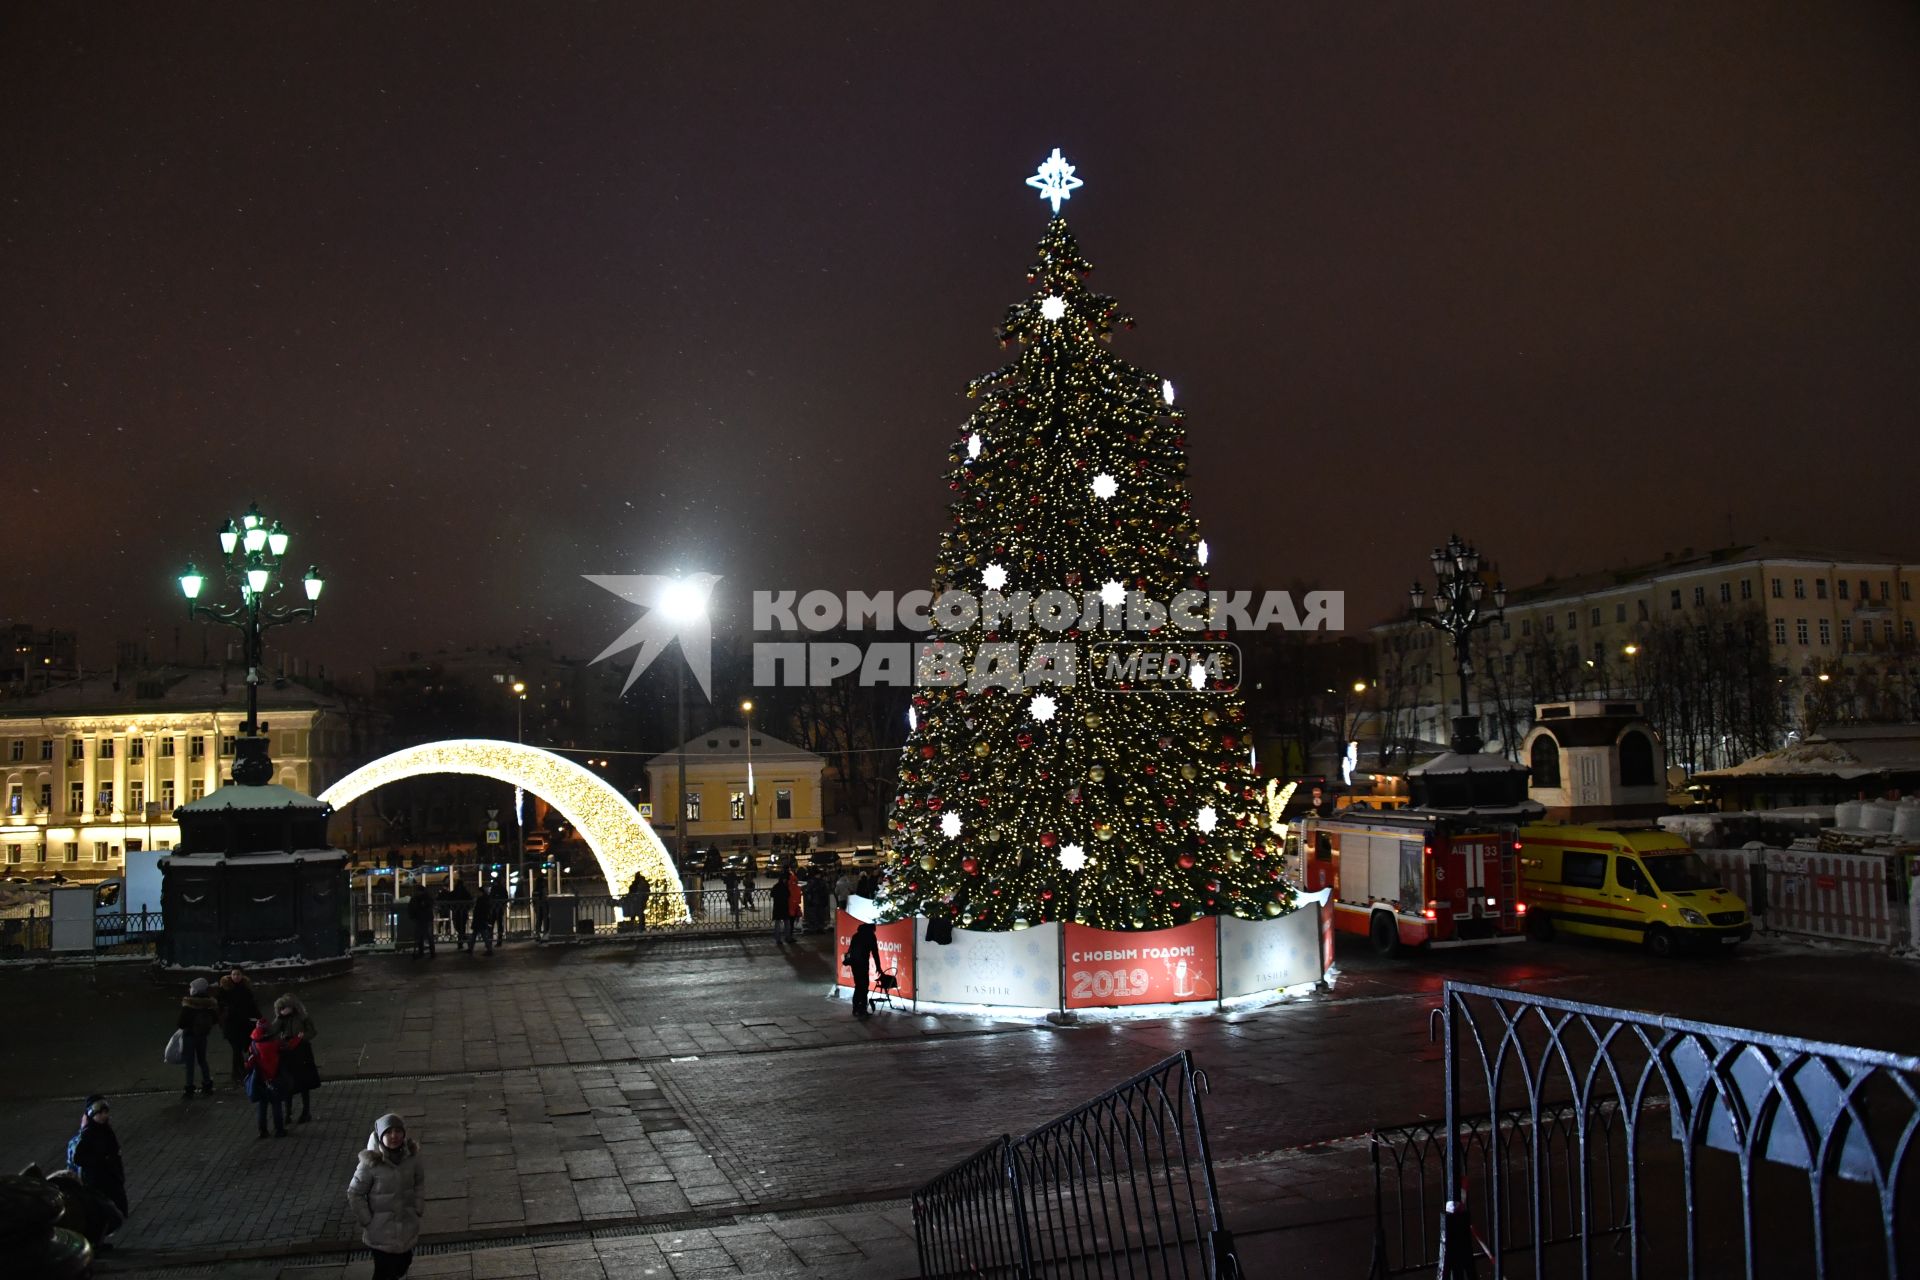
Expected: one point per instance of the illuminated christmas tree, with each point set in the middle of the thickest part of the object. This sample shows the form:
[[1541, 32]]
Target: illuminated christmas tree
[[1116, 800]]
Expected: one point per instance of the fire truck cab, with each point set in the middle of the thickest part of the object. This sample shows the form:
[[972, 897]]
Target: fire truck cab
[[1442, 872]]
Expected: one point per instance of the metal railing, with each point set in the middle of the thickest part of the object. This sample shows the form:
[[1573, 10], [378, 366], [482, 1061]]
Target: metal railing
[[1120, 1186], [1700, 1148], [709, 911]]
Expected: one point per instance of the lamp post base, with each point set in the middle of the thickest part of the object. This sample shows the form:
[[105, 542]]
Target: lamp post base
[[1466, 735]]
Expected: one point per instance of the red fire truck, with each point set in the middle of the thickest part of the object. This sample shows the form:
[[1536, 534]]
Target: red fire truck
[[1414, 877]]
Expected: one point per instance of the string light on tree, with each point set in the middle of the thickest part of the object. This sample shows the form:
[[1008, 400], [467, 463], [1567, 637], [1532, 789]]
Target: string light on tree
[[1085, 492]]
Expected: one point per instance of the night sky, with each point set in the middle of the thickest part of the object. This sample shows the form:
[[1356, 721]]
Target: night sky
[[479, 299]]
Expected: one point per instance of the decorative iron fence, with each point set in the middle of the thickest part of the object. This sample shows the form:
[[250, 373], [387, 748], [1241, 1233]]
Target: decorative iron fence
[[1702, 1149], [1120, 1186], [381, 923]]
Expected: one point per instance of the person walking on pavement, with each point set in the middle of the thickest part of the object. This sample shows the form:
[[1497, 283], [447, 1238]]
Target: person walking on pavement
[[843, 889], [239, 1010], [639, 893], [540, 904], [731, 878], [483, 906], [863, 956], [265, 1086], [460, 904], [420, 912], [199, 1015], [93, 1156], [299, 1071], [866, 886], [388, 1194], [782, 921], [497, 892]]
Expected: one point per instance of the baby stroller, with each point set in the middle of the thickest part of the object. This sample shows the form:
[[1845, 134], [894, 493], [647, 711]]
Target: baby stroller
[[884, 985]]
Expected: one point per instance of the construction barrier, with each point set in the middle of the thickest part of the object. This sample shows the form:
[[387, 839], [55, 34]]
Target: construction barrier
[[1849, 896]]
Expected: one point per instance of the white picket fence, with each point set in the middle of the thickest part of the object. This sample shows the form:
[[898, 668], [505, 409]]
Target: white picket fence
[[1853, 897]]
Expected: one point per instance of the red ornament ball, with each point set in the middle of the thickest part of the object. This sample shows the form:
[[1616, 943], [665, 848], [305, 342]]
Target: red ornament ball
[[970, 865]]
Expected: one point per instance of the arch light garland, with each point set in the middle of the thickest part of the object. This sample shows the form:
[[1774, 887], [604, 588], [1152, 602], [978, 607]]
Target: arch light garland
[[621, 841]]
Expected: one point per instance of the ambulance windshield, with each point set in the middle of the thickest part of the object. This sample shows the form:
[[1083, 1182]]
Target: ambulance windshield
[[1679, 872]]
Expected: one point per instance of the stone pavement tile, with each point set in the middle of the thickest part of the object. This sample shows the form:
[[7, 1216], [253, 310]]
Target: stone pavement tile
[[450, 1266], [702, 1262], [503, 1264]]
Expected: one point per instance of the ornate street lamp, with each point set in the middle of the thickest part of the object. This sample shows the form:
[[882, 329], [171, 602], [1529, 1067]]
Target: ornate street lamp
[[252, 559], [1459, 610]]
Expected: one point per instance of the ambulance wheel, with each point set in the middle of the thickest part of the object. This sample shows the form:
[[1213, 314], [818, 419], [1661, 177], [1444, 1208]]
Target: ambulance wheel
[[1540, 927], [1660, 941], [1385, 932]]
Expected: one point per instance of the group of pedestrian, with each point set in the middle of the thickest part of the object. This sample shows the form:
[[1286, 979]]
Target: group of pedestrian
[[273, 1058], [387, 1191], [476, 918], [787, 905]]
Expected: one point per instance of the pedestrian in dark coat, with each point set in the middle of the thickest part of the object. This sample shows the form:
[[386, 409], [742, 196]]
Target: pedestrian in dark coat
[[863, 956], [482, 923], [795, 902], [540, 903], [388, 1195], [639, 893], [93, 1155], [420, 912], [239, 1010], [782, 921], [497, 894], [459, 904], [866, 884], [199, 1015], [299, 1070]]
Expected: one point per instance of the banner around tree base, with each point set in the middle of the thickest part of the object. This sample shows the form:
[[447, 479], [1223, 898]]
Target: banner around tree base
[[1060, 967]]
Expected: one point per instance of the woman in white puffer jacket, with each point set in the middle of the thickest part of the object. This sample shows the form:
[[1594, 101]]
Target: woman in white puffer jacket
[[389, 1194]]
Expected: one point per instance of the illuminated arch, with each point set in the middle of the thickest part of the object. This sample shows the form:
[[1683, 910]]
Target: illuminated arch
[[621, 841]]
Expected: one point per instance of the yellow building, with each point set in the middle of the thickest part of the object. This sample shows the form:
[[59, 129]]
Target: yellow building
[[94, 768], [784, 799]]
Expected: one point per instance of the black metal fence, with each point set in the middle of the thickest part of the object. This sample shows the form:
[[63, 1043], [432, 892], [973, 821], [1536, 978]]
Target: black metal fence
[[1584, 1140], [381, 922], [1120, 1186]]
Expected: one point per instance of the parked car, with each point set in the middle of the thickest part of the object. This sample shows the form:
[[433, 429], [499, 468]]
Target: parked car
[[824, 859]]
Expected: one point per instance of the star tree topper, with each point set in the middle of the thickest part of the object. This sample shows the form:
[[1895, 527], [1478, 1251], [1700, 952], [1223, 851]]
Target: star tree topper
[[1055, 181]]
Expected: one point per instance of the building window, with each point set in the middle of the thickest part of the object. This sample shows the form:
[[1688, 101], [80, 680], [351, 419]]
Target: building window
[[70, 851], [1506, 631], [1846, 633], [228, 744], [46, 748], [1820, 588], [16, 799], [1599, 653], [1886, 630], [737, 805], [76, 797], [15, 854], [1776, 588], [166, 794], [46, 797], [166, 747], [104, 803], [106, 748], [1826, 632], [1643, 609], [136, 796], [783, 796], [79, 751], [1906, 591], [1840, 586], [1866, 592], [1526, 627], [1800, 630], [1699, 596], [1907, 626], [1883, 589], [17, 750], [1636, 759], [1620, 612], [1593, 616], [1746, 589], [693, 806], [197, 747], [136, 748], [1674, 596], [1726, 593], [1779, 630], [101, 851], [1573, 619], [196, 789], [1545, 759], [1546, 622], [1799, 588]]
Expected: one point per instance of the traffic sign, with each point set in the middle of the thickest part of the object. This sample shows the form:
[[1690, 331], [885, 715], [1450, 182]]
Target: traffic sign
[[646, 810], [493, 836]]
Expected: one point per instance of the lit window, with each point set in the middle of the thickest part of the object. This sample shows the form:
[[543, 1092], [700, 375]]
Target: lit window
[[693, 806], [16, 799], [737, 805], [104, 805]]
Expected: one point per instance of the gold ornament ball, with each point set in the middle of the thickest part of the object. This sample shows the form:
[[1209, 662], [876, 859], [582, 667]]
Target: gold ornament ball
[[1097, 774], [983, 748], [1188, 772], [1273, 908], [1103, 832], [928, 863], [1092, 719], [1209, 716]]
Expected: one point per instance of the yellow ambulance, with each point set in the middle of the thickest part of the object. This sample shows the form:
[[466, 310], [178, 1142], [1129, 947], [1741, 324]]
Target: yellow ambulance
[[1627, 884]]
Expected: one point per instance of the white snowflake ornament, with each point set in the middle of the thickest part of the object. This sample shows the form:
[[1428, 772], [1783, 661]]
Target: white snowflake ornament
[[1072, 857], [1053, 307], [994, 577], [1105, 486], [973, 446], [950, 825], [1113, 593], [1206, 819], [1043, 706]]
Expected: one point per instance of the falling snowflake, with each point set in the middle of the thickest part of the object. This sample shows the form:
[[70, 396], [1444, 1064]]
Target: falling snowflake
[[950, 825], [1072, 857], [1105, 486], [1043, 706], [1206, 819], [994, 577], [1053, 306], [1113, 593], [1055, 181]]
